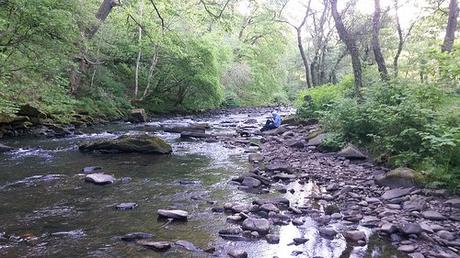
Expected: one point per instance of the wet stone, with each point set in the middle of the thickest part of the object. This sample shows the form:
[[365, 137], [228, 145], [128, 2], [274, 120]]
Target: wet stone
[[126, 206], [260, 225], [230, 231], [327, 232], [187, 245], [89, 170], [272, 238], [269, 207], [237, 253], [155, 245], [72, 234], [100, 179], [251, 182], [173, 214], [300, 240], [407, 248], [136, 236], [454, 202], [354, 235]]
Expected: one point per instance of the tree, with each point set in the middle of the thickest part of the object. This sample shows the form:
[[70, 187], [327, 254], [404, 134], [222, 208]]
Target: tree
[[350, 42], [451, 27], [298, 30], [402, 38], [379, 59]]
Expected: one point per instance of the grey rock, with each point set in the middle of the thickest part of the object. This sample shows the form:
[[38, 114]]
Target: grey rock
[[388, 228], [433, 215], [327, 232], [407, 248], [89, 170], [255, 157], [230, 231], [354, 235], [260, 225], [141, 143], [410, 228], [187, 245], [137, 116], [395, 193], [444, 234], [272, 238], [173, 214], [126, 206], [399, 177], [351, 152], [317, 140], [269, 207], [251, 182], [136, 236], [455, 202], [100, 179], [237, 253], [300, 240], [155, 245]]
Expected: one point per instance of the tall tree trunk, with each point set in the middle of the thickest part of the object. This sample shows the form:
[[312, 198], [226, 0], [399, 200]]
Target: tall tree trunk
[[451, 27], [139, 53], [304, 56], [400, 43], [350, 42], [76, 73], [376, 42]]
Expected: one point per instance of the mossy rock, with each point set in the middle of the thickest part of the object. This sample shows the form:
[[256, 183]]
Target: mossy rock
[[399, 177], [142, 143]]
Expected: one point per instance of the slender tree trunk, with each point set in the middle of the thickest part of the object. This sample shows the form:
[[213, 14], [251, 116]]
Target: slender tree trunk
[[76, 73], [304, 57], [139, 54], [400, 43], [379, 59], [351, 46], [451, 27]]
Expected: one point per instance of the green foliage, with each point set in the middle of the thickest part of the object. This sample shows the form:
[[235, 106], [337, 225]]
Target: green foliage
[[311, 102]]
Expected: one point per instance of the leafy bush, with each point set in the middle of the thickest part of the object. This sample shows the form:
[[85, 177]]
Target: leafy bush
[[313, 100]]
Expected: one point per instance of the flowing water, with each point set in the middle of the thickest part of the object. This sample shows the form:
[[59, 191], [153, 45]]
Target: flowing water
[[42, 192]]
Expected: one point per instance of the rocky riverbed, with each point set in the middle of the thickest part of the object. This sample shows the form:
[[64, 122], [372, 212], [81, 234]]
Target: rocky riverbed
[[226, 190]]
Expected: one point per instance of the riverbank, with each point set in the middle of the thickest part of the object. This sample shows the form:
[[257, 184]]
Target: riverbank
[[418, 221]]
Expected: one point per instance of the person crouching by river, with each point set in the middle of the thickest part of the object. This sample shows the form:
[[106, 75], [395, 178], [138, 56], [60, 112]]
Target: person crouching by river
[[272, 123]]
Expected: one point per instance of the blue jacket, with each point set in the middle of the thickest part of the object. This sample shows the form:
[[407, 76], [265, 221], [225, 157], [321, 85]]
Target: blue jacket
[[277, 120]]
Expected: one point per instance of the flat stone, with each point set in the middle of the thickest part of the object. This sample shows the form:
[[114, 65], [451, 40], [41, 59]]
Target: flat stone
[[136, 236], [327, 232], [155, 245], [410, 228], [237, 253], [395, 193], [269, 207], [230, 231], [351, 152], [272, 238], [251, 182], [300, 240], [454, 202], [187, 245], [126, 206], [284, 176], [414, 204], [89, 170], [433, 215], [260, 225], [173, 214], [444, 234], [407, 248], [354, 235], [100, 179], [388, 228]]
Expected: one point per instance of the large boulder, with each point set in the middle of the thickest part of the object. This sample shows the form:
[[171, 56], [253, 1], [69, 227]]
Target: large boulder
[[260, 225], [351, 152], [317, 140], [399, 177], [30, 111], [142, 143], [137, 116]]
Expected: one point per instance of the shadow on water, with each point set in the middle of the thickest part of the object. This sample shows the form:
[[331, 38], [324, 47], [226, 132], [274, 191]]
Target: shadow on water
[[42, 192]]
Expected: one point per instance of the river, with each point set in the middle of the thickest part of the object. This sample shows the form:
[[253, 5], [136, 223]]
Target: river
[[42, 192]]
